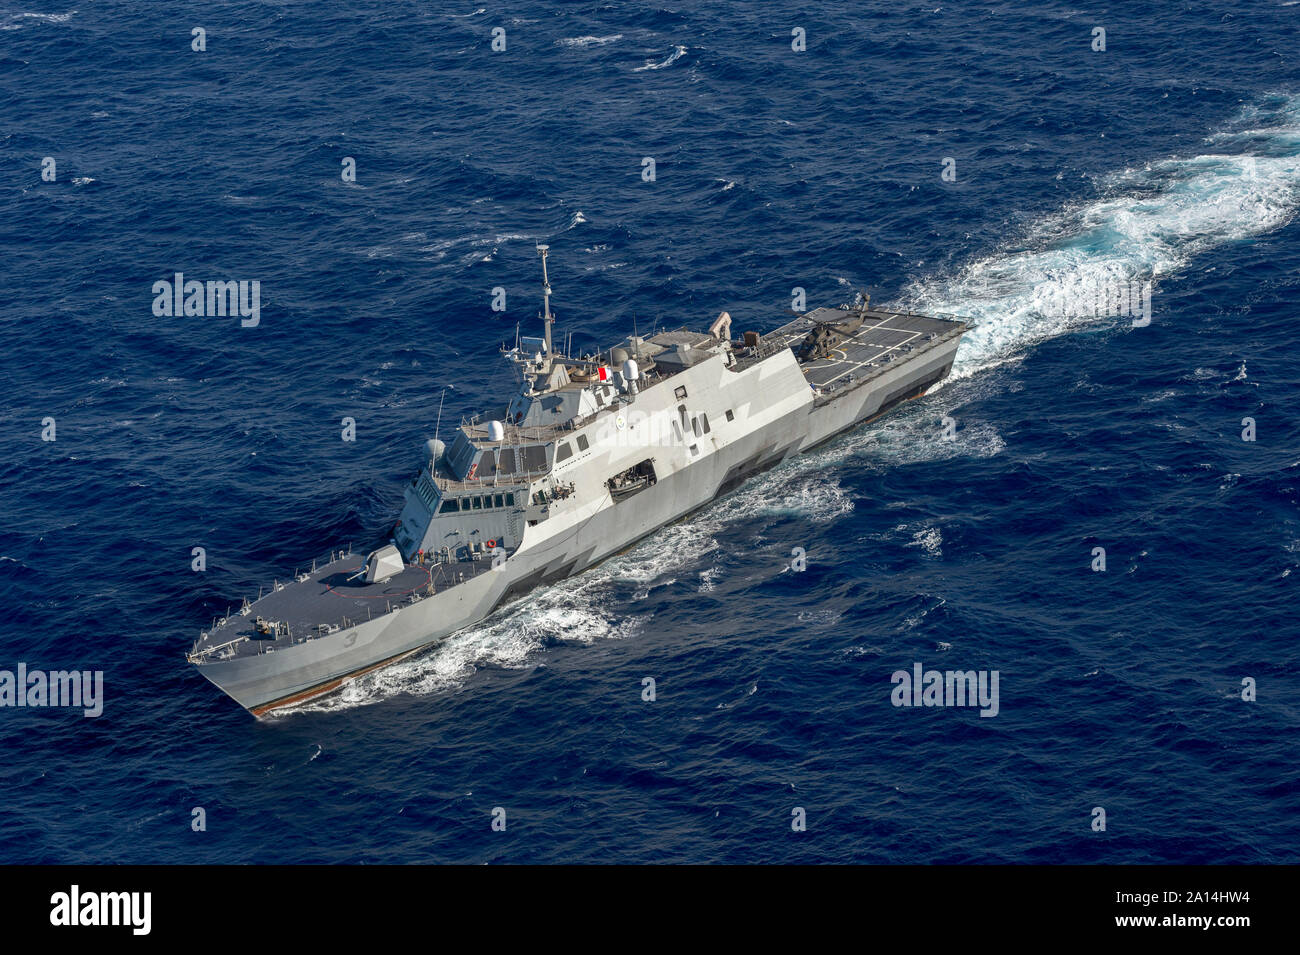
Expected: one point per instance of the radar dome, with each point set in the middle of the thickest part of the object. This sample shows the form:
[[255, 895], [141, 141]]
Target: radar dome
[[617, 357], [434, 449]]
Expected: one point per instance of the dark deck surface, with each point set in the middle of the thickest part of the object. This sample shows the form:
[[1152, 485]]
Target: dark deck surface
[[884, 337], [327, 599]]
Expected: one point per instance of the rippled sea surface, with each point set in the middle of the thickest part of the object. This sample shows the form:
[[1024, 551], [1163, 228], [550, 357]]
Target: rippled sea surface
[[1172, 156]]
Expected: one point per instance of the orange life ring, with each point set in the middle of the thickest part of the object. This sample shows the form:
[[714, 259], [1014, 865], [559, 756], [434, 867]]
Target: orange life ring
[[491, 543]]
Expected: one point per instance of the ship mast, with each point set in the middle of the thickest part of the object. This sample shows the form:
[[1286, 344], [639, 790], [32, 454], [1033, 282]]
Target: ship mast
[[547, 317]]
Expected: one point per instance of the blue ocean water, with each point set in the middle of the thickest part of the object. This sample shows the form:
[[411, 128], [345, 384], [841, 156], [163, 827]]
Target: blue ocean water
[[1174, 155]]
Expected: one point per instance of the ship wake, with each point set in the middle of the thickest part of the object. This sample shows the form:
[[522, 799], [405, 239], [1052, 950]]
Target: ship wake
[[1148, 225]]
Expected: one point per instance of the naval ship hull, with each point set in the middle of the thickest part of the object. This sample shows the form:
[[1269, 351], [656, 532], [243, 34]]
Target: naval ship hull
[[757, 415]]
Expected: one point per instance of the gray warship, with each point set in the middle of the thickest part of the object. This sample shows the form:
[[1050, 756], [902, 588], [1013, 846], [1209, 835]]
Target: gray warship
[[589, 455]]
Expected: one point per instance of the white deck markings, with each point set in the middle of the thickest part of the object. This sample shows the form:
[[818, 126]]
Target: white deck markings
[[884, 349], [860, 338]]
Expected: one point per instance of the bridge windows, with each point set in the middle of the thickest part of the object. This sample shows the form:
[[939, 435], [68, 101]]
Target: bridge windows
[[564, 453], [582, 442], [477, 502], [695, 426], [705, 419], [730, 416]]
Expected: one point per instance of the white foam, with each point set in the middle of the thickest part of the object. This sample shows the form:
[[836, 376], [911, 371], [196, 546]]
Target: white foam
[[709, 579], [16, 19], [443, 247], [1150, 222], [929, 539], [672, 58], [582, 42]]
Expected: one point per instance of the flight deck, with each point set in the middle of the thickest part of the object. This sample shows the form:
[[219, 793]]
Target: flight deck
[[883, 338]]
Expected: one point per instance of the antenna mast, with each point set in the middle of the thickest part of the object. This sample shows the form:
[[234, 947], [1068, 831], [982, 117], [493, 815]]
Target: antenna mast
[[547, 317]]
